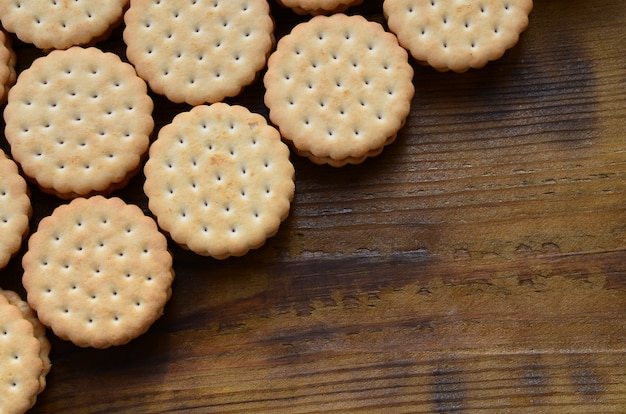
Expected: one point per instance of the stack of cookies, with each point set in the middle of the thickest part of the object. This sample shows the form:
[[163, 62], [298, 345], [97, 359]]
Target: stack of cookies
[[24, 354], [15, 209], [7, 66], [218, 177]]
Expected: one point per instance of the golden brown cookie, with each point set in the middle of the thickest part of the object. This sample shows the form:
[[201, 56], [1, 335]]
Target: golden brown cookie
[[59, 24], [20, 363], [7, 66], [219, 180], [316, 7], [15, 209], [38, 330], [339, 88], [198, 51], [457, 35], [97, 272], [79, 122]]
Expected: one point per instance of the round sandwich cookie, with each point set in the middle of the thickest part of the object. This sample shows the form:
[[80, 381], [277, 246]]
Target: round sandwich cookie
[[38, 330], [79, 122], [59, 24], [7, 66], [457, 35], [98, 272], [338, 88], [219, 180], [198, 51], [316, 7], [21, 365], [15, 209]]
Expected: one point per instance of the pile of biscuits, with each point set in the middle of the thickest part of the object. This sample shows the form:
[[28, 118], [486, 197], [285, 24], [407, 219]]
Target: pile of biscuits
[[219, 179], [24, 354]]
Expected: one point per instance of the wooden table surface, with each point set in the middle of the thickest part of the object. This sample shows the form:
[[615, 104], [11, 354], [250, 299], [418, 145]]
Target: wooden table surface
[[477, 265]]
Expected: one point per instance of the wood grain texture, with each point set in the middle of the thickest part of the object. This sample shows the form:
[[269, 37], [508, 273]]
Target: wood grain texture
[[478, 265]]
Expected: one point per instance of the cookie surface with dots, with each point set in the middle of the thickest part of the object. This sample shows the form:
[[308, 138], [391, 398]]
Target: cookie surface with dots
[[198, 51], [97, 272], [457, 35], [79, 122], [60, 24], [21, 365], [339, 88], [219, 180], [15, 209]]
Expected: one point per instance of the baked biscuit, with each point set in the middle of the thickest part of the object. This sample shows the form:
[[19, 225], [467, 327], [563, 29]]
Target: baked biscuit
[[457, 35], [20, 363], [15, 209], [38, 330], [339, 88], [219, 180], [97, 272], [7, 66], [316, 7], [59, 24], [198, 51], [79, 122]]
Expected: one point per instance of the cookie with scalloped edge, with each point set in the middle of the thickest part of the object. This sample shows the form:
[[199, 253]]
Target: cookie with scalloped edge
[[79, 122], [8, 59], [457, 35], [15, 209], [60, 24], [219, 180], [198, 51], [38, 330], [98, 272], [339, 88], [316, 7], [21, 366]]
